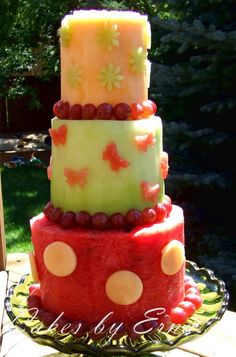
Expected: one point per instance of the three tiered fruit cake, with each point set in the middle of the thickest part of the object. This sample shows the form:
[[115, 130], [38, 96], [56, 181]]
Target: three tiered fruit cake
[[109, 244]]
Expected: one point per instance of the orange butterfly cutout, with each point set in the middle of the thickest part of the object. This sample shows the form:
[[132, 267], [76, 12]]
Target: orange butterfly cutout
[[58, 135], [164, 165], [111, 154], [143, 141], [149, 192], [76, 177]]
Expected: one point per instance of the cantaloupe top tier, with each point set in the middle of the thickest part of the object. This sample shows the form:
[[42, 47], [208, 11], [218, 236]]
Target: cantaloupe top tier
[[104, 57], [109, 242]]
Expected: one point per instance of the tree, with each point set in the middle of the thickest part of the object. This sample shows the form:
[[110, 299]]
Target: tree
[[193, 77]]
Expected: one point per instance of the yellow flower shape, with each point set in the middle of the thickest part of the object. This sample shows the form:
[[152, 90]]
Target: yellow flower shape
[[138, 60], [74, 75], [65, 35], [108, 37], [110, 77]]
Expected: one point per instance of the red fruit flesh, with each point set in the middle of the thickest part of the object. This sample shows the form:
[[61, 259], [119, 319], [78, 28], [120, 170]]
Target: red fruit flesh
[[105, 111], [82, 294]]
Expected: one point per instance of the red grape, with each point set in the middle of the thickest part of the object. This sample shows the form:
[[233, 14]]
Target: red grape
[[75, 111], [148, 215], [168, 204], [78, 328], [67, 219], [178, 315], [117, 220], [122, 111], [154, 107], [89, 111], [135, 331], [195, 299], [147, 108], [136, 110], [192, 290], [61, 109], [47, 317], [34, 301], [190, 284], [56, 214], [83, 219], [188, 307], [133, 217], [161, 212], [105, 111], [100, 220], [48, 209]]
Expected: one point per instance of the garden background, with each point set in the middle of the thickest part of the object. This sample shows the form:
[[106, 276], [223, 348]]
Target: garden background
[[193, 80]]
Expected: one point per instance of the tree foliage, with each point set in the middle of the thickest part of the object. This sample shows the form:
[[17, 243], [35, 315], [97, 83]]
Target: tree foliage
[[193, 78]]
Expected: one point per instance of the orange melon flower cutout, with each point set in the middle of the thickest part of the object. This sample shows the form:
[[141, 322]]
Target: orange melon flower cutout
[[58, 135], [164, 165], [74, 177], [143, 141], [116, 161], [149, 192]]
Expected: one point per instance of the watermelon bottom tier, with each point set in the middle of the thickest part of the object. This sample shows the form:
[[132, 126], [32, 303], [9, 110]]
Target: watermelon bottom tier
[[126, 275]]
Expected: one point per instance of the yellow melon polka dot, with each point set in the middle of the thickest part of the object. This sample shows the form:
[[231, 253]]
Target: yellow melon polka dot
[[60, 259], [34, 271], [124, 287], [172, 257]]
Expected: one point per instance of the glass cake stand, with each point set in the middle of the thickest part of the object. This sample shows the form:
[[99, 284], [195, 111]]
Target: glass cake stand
[[215, 301]]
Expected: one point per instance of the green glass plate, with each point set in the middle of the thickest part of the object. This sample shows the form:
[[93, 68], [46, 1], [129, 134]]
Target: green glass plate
[[215, 301]]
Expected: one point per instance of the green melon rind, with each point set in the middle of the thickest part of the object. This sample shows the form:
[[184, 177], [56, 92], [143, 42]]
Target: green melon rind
[[107, 190]]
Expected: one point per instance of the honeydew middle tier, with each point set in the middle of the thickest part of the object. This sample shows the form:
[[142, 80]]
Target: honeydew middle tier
[[107, 165], [104, 57]]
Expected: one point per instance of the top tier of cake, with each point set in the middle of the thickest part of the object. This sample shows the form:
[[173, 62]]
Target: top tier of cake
[[104, 57]]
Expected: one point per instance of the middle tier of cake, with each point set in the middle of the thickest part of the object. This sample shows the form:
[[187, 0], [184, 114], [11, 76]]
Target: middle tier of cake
[[107, 165]]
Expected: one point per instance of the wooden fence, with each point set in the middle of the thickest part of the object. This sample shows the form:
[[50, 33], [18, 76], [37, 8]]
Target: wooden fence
[[17, 115]]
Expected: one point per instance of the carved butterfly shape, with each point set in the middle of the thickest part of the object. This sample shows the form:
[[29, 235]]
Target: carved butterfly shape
[[116, 161], [58, 135], [74, 177]]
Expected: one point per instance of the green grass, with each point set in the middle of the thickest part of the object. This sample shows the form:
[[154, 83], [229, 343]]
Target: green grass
[[25, 192]]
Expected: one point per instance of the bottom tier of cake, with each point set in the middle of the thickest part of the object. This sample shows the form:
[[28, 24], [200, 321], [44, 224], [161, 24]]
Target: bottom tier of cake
[[123, 276]]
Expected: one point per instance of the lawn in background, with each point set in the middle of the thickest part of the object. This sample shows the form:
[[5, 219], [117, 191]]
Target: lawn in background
[[25, 192]]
